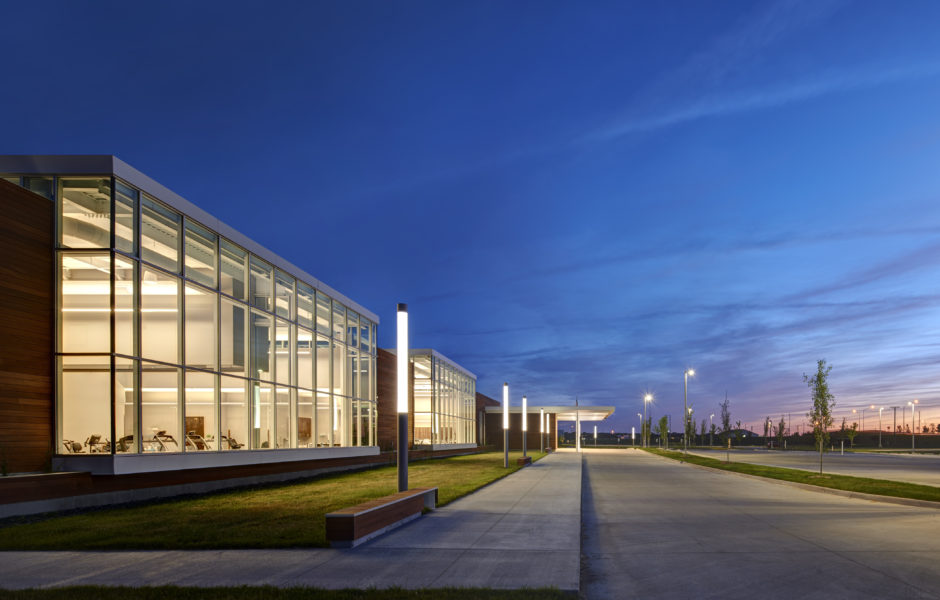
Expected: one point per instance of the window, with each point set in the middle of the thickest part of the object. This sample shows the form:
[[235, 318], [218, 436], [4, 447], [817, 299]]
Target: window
[[306, 305], [339, 322], [234, 411], [305, 419], [159, 316], [233, 337], [43, 186], [85, 302], [262, 411], [84, 404], [339, 369], [160, 408], [260, 340], [125, 405], [305, 358], [125, 209], [282, 411], [323, 313], [85, 213], [125, 325], [352, 329], [233, 272], [159, 235], [200, 254], [324, 420], [260, 279], [200, 411], [284, 294], [200, 327], [284, 348], [323, 364]]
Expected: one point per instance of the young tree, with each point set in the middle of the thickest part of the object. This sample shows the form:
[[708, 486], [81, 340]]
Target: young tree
[[711, 440], [737, 432], [701, 438], [850, 433], [781, 431], [823, 403], [690, 427], [662, 428], [725, 416]]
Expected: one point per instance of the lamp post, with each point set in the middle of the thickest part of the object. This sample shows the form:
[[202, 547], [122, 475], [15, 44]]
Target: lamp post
[[505, 425], [402, 400], [880, 410], [595, 436], [912, 405], [711, 430], [525, 417], [685, 427], [542, 430], [646, 434], [548, 429]]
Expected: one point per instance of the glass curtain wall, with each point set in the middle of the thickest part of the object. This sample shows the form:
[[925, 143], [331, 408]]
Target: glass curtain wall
[[171, 338], [444, 403]]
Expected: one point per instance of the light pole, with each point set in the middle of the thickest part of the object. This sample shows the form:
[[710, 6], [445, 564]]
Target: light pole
[[685, 427], [505, 425], [542, 430], [402, 399], [711, 430], [880, 410], [912, 404], [525, 418], [646, 400], [595, 436], [548, 429]]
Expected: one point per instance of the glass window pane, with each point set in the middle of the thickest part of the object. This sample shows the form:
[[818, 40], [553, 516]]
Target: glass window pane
[[125, 207], [305, 418], [352, 369], [159, 234], [200, 412], [234, 266], [341, 422], [125, 323], [234, 399], [85, 213], [84, 404], [260, 341], [305, 358], [200, 254], [324, 420], [352, 329], [160, 408], [85, 303], [364, 328], [260, 283], [305, 305], [339, 369], [282, 352], [200, 327], [323, 364], [233, 338], [339, 322], [354, 423], [362, 387], [262, 411], [159, 316], [323, 313], [282, 412], [125, 405], [44, 186], [284, 294]]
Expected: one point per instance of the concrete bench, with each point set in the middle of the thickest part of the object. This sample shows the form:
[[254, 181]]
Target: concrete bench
[[352, 526], [525, 460]]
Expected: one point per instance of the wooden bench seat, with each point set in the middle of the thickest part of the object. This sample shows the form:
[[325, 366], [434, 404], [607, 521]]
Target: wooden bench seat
[[349, 527]]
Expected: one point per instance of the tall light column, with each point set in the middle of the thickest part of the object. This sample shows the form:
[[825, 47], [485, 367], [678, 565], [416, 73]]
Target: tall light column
[[913, 404], [711, 430], [505, 425], [541, 430], [548, 430], [577, 424], [685, 425], [595, 436], [880, 410], [525, 428], [646, 434], [402, 391]]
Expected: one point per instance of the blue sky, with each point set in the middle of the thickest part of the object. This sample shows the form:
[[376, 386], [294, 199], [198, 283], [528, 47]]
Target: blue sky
[[580, 199]]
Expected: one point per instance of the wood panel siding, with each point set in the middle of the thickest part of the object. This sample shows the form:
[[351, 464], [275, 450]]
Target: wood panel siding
[[26, 329], [386, 403]]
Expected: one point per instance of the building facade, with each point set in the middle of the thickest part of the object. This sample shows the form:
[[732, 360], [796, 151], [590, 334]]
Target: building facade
[[179, 342]]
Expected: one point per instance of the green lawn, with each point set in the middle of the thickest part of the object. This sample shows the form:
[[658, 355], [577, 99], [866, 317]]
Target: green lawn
[[839, 482], [276, 516], [270, 593]]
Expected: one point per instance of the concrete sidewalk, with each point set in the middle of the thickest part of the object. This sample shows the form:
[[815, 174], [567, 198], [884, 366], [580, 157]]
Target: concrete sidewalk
[[521, 531]]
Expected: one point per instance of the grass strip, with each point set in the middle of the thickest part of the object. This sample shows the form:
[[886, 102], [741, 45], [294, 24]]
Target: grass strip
[[287, 515], [272, 593], [865, 485]]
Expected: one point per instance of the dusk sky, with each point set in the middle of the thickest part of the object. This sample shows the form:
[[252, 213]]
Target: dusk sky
[[582, 199]]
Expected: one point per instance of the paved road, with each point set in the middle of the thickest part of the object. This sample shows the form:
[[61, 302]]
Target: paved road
[[654, 528], [916, 468], [521, 531]]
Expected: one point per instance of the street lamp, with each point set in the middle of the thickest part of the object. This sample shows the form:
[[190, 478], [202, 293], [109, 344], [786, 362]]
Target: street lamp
[[711, 430], [912, 405], [402, 399], [525, 418], [541, 430], [505, 425], [595, 436], [685, 428], [646, 400], [880, 410]]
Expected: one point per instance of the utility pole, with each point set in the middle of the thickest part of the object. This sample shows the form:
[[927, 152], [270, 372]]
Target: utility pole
[[895, 429]]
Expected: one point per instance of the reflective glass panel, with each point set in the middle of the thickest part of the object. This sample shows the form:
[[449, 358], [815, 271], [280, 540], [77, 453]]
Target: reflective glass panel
[[84, 404], [260, 273], [125, 405], [306, 305], [200, 420], [85, 213], [305, 418], [125, 326], [323, 364], [282, 411], [324, 420], [200, 327], [125, 205], [234, 269], [341, 423], [364, 328], [43, 186], [233, 330], [323, 313], [283, 294], [200, 254], [262, 410], [234, 427], [305, 358], [159, 234], [339, 369], [352, 329], [282, 352], [159, 316], [160, 408], [261, 342], [85, 302], [339, 322]]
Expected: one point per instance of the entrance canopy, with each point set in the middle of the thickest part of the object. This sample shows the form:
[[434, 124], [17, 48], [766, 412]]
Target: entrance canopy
[[562, 413]]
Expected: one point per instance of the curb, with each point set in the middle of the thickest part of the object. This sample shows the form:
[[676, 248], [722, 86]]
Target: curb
[[817, 488]]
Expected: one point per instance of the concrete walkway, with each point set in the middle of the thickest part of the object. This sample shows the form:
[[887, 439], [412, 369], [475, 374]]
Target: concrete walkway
[[522, 531]]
